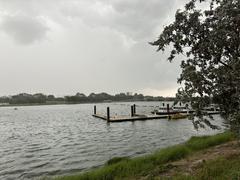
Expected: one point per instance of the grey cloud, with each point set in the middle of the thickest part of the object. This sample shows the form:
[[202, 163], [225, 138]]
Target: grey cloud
[[94, 46], [23, 29], [139, 18], [136, 19]]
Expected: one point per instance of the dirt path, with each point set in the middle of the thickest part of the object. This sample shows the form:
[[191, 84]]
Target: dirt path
[[188, 165]]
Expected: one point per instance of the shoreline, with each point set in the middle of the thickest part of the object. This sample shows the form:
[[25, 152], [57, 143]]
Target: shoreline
[[146, 166], [64, 103]]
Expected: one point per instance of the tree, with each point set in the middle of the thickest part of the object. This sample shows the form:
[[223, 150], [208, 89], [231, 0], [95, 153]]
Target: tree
[[209, 40], [51, 97]]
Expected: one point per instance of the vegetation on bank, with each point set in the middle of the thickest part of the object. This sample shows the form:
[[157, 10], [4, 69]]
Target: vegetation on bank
[[119, 168], [219, 169], [39, 99]]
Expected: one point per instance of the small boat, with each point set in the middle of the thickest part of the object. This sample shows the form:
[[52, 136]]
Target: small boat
[[212, 109], [164, 111], [178, 116], [15, 108], [173, 109]]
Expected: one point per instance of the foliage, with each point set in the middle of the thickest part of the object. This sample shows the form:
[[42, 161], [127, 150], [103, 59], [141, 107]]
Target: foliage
[[141, 166], [100, 97], [209, 41], [104, 97], [4, 99], [217, 169], [25, 98], [39, 98], [116, 160], [196, 143]]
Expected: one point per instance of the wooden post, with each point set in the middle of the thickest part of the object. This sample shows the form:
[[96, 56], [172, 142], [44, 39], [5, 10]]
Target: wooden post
[[168, 112], [108, 113], [132, 111], [95, 110], [168, 109]]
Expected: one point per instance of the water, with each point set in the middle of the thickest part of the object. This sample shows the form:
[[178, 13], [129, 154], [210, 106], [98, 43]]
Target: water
[[40, 141]]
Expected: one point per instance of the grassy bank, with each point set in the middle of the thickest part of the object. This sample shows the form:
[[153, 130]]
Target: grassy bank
[[124, 168], [218, 169]]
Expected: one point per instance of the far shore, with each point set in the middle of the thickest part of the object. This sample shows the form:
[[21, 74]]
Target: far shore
[[68, 103]]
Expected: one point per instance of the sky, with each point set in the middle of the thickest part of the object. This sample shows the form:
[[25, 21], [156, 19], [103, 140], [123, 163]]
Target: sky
[[63, 47]]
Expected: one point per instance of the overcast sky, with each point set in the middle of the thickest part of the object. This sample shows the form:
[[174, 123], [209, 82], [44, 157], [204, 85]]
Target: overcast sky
[[66, 46]]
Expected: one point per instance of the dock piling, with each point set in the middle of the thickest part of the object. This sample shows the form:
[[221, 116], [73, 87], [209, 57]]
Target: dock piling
[[134, 109], [95, 110], [108, 113], [168, 111]]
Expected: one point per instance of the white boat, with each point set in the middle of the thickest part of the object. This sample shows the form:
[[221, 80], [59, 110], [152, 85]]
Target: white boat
[[184, 108], [174, 109]]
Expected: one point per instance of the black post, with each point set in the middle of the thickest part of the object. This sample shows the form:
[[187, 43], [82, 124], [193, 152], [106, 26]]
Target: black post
[[134, 109], [108, 113], [168, 109], [95, 110], [168, 112]]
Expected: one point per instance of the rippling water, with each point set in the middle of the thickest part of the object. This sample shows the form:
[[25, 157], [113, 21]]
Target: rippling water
[[40, 141]]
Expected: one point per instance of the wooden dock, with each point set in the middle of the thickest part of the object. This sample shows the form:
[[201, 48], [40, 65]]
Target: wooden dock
[[136, 117], [141, 117], [132, 117]]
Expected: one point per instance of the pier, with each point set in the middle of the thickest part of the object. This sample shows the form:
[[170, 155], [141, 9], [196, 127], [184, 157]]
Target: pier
[[143, 117], [132, 117]]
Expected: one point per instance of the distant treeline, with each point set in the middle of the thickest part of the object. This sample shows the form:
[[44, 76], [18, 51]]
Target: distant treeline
[[40, 98]]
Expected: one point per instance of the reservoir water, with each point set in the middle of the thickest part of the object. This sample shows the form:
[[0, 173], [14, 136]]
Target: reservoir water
[[38, 141]]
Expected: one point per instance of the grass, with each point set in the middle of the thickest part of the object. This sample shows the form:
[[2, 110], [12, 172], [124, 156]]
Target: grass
[[116, 160], [221, 169], [121, 168], [218, 169], [199, 143]]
